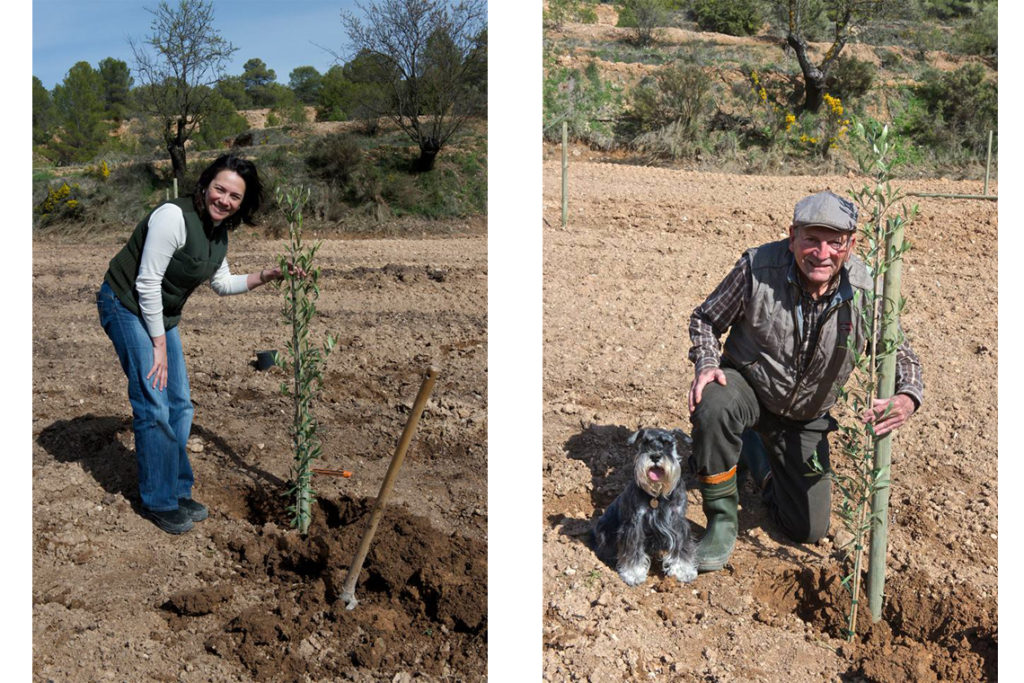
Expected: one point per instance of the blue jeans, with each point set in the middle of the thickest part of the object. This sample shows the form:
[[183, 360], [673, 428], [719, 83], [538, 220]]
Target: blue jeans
[[162, 420]]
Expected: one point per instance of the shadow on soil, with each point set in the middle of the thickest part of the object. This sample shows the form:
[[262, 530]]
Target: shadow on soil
[[604, 450], [606, 453], [97, 444], [422, 593]]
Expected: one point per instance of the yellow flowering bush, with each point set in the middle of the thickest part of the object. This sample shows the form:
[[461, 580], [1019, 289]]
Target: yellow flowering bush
[[835, 124], [769, 118], [61, 202], [835, 105], [807, 134]]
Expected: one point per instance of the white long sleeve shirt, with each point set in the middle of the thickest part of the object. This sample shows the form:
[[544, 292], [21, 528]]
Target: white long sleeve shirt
[[165, 236]]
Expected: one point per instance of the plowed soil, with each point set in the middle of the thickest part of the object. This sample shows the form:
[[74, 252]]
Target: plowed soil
[[243, 596], [643, 247]]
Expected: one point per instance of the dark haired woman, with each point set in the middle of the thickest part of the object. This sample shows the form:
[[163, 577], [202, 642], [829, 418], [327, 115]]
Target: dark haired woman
[[178, 246]]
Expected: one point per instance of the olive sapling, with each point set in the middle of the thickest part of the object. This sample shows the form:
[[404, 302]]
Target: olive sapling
[[304, 359]]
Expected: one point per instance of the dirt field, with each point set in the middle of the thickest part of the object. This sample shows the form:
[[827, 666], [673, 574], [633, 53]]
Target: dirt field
[[241, 596], [643, 248]]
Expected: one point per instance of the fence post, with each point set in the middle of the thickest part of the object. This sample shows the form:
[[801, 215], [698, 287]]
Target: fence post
[[565, 173], [988, 162], [175, 187]]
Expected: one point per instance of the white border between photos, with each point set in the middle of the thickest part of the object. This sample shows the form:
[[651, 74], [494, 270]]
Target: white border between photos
[[16, 347], [514, 341], [1010, 369]]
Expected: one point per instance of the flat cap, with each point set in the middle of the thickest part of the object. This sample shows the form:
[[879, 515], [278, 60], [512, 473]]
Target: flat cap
[[827, 210]]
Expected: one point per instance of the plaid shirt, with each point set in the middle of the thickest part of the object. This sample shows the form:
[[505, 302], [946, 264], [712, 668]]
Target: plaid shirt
[[726, 304]]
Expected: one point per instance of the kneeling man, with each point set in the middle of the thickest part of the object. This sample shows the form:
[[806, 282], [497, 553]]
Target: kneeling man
[[791, 313]]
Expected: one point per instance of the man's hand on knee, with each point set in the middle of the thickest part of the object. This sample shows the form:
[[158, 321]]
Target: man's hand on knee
[[703, 378]]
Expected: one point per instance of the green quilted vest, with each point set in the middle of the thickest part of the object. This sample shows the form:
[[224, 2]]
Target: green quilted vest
[[192, 264], [764, 344]]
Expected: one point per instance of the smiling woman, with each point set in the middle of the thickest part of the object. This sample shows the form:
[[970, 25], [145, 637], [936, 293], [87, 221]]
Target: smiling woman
[[178, 246]]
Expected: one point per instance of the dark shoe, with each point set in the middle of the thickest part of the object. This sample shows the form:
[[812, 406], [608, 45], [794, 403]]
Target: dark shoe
[[720, 500], [171, 521], [197, 512]]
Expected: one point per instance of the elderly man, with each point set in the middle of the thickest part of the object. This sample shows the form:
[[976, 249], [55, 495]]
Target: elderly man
[[791, 311]]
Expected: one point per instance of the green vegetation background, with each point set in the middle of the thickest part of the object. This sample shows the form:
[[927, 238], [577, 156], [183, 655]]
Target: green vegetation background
[[99, 165], [719, 105]]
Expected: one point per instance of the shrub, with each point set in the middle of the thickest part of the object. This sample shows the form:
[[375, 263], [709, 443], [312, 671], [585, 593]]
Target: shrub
[[953, 110], [676, 103], [101, 171], [671, 141], [63, 202], [851, 78], [561, 11], [769, 116], [948, 9], [586, 102], [643, 16], [889, 59], [335, 159], [732, 17], [221, 122], [980, 35]]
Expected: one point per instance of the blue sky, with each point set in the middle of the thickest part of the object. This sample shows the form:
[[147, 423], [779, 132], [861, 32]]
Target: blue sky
[[285, 35]]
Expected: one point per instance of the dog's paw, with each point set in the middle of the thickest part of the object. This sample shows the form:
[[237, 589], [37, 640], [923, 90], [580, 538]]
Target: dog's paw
[[634, 575], [681, 569]]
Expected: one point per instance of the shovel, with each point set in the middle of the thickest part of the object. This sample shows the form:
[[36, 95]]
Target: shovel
[[348, 590]]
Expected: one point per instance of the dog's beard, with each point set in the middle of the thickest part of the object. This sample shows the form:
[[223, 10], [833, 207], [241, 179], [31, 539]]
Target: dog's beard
[[656, 480]]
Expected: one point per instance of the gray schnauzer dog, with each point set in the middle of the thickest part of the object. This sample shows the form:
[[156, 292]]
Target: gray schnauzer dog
[[650, 514]]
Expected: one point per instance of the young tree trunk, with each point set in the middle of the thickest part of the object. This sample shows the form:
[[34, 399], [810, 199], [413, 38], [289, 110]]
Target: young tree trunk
[[814, 76], [429, 147], [176, 148]]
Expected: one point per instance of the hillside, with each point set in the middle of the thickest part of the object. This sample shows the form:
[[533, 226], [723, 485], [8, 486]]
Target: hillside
[[607, 87]]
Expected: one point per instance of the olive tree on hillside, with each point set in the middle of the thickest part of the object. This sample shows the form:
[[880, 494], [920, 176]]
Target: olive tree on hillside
[[843, 16], [185, 59], [432, 52]]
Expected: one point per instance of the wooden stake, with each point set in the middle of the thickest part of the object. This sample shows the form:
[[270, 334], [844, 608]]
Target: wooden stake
[[565, 173], [953, 196], [988, 162], [348, 590]]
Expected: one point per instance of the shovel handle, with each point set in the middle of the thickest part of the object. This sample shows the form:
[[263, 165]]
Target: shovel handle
[[348, 590]]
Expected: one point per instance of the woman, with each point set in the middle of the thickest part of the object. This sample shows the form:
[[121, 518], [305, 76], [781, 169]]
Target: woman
[[178, 246]]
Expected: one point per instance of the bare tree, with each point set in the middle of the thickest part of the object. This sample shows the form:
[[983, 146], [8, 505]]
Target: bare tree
[[432, 51], [176, 80], [843, 16]]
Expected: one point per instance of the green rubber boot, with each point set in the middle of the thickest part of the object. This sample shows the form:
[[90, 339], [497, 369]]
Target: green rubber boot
[[721, 501]]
